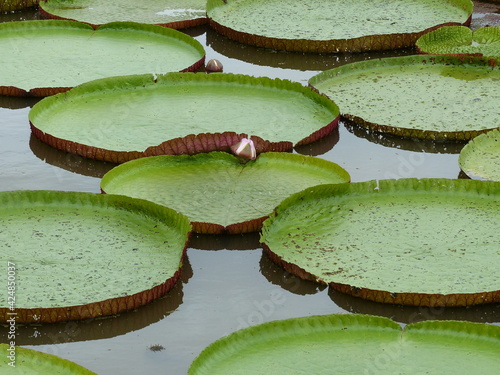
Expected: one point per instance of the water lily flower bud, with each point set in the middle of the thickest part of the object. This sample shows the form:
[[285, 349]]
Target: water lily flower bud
[[214, 65], [245, 148]]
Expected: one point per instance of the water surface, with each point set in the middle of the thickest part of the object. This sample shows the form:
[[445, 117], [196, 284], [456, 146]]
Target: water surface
[[227, 282]]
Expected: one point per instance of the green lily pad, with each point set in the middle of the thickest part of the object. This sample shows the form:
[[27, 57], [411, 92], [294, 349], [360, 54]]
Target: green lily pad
[[41, 58], [460, 40], [409, 96], [27, 361], [217, 192], [127, 117], [430, 242], [104, 254], [175, 14], [480, 158], [11, 5], [353, 344], [360, 25]]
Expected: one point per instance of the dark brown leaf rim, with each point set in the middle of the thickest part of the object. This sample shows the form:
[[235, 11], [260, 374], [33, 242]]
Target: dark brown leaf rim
[[361, 44], [410, 299], [249, 226], [49, 91], [189, 145], [427, 134], [172, 25], [107, 307]]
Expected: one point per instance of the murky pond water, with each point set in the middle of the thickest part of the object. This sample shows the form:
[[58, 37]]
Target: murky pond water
[[227, 282]]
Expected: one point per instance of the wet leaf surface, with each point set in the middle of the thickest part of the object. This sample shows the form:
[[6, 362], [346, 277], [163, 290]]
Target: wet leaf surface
[[355, 343], [403, 241]]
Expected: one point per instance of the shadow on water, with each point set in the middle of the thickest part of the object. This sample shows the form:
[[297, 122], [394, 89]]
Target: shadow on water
[[27, 14], [246, 241], [108, 327], [408, 144], [70, 162], [321, 146], [182, 309], [290, 60], [463, 175], [411, 314], [15, 102], [278, 276], [195, 31]]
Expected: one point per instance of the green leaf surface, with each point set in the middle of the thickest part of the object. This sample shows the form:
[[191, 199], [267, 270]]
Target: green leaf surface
[[94, 247], [63, 54], [353, 344], [344, 25], [415, 242], [460, 40], [409, 96], [480, 158], [32, 362], [216, 188], [172, 13], [147, 110]]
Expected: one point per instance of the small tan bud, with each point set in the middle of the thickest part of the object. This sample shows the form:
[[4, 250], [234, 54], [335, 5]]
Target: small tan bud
[[213, 65]]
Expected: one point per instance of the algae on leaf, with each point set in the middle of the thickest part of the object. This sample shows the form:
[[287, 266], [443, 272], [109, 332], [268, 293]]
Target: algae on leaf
[[409, 96], [394, 241], [216, 191], [480, 158], [338, 26], [105, 253], [460, 40]]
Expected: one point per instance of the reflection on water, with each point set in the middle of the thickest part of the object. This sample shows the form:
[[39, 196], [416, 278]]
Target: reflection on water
[[227, 286], [195, 30], [246, 241], [409, 144], [70, 162], [102, 328], [20, 15], [411, 314], [278, 276], [14, 102], [321, 146], [291, 60], [463, 175]]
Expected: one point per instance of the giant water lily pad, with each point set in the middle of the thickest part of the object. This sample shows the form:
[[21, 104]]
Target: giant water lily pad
[[353, 344], [430, 242], [41, 58], [82, 255], [171, 13], [410, 96], [480, 158], [346, 25], [124, 118], [216, 191], [460, 40], [27, 361]]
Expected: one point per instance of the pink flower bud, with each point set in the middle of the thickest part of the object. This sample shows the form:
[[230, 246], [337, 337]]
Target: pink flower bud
[[245, 149], [214, 65]]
